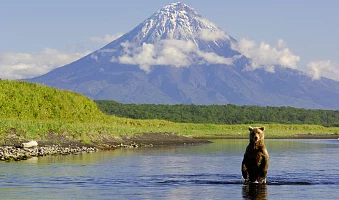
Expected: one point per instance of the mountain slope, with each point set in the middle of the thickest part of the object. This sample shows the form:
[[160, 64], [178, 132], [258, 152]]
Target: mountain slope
[[178, 57]]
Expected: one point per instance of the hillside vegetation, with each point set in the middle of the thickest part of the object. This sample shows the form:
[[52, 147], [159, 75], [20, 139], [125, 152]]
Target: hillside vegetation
[[221, 114], [34, 111], [23, 100], [31, 111]]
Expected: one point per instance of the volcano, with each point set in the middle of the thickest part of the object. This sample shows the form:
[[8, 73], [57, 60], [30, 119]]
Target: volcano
[[178, 57]]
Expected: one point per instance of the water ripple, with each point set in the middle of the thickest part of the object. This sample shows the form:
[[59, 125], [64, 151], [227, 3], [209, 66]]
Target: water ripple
[[222, 179]]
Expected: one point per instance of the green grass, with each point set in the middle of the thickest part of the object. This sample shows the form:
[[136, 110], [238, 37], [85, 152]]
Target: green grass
[[33, 111], [90, 132], [29, 101]]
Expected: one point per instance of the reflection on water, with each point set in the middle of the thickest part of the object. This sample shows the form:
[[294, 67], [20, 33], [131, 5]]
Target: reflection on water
[[254, 191], [299, 169]]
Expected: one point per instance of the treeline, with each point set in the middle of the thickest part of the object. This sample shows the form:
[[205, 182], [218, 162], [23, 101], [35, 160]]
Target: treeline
[[221, 114]]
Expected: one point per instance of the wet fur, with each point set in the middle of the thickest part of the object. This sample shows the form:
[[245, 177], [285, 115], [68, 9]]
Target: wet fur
[[255, 163]]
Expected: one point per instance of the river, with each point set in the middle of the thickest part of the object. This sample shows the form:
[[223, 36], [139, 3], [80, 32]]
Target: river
[[298, 169]]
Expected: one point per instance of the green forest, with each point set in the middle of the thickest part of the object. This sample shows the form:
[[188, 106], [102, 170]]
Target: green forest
[[221, 114]]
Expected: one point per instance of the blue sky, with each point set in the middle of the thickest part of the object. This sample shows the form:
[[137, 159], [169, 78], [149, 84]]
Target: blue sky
[[37, 36]]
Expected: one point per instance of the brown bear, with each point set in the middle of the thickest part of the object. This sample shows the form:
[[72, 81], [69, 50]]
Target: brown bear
[[255, 163]]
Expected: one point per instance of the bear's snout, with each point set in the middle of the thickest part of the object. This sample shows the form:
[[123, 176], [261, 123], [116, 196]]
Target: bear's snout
[[255, 137]]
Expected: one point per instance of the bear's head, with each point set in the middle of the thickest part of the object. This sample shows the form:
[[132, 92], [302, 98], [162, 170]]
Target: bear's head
[[256, 134]]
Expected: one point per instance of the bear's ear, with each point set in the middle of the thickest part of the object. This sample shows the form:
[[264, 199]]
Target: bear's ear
[[262, 128], [250, 128]]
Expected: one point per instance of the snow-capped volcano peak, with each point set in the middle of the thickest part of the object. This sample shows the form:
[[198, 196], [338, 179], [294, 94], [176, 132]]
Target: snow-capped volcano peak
[[177, 7], [180, 22], [176, 35]]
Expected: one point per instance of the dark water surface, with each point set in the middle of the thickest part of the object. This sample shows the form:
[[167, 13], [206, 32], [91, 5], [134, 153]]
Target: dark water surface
[[299, 169]]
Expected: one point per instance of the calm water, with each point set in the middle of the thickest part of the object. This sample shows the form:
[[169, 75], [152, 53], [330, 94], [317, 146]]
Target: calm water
[[299, 169]]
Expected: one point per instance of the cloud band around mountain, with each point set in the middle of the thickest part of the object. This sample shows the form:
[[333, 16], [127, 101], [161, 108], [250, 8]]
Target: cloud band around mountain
[[106, 39], [323, 68], [176, 53], [267, 56]]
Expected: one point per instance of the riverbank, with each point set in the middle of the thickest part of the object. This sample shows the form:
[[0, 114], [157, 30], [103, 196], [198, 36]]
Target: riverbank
[[295, 136], [113, 130], [13, 150], [12, 153]]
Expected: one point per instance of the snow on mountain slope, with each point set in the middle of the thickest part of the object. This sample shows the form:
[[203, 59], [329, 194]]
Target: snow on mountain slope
[[176, 36], [180, 22]]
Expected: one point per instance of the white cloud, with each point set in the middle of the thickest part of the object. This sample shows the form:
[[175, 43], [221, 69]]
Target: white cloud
[[209, 35], [176, 53], [14, 65], [19, 65], [106, 39], [211, 32], [267, 56], [95, 57], [209, 24], [323, 68], [212, 58]]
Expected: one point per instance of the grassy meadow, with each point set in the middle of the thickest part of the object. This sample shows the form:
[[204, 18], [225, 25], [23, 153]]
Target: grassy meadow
[[33, 111]]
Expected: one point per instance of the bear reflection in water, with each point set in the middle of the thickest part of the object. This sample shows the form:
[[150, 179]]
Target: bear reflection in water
[[254, 191]]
